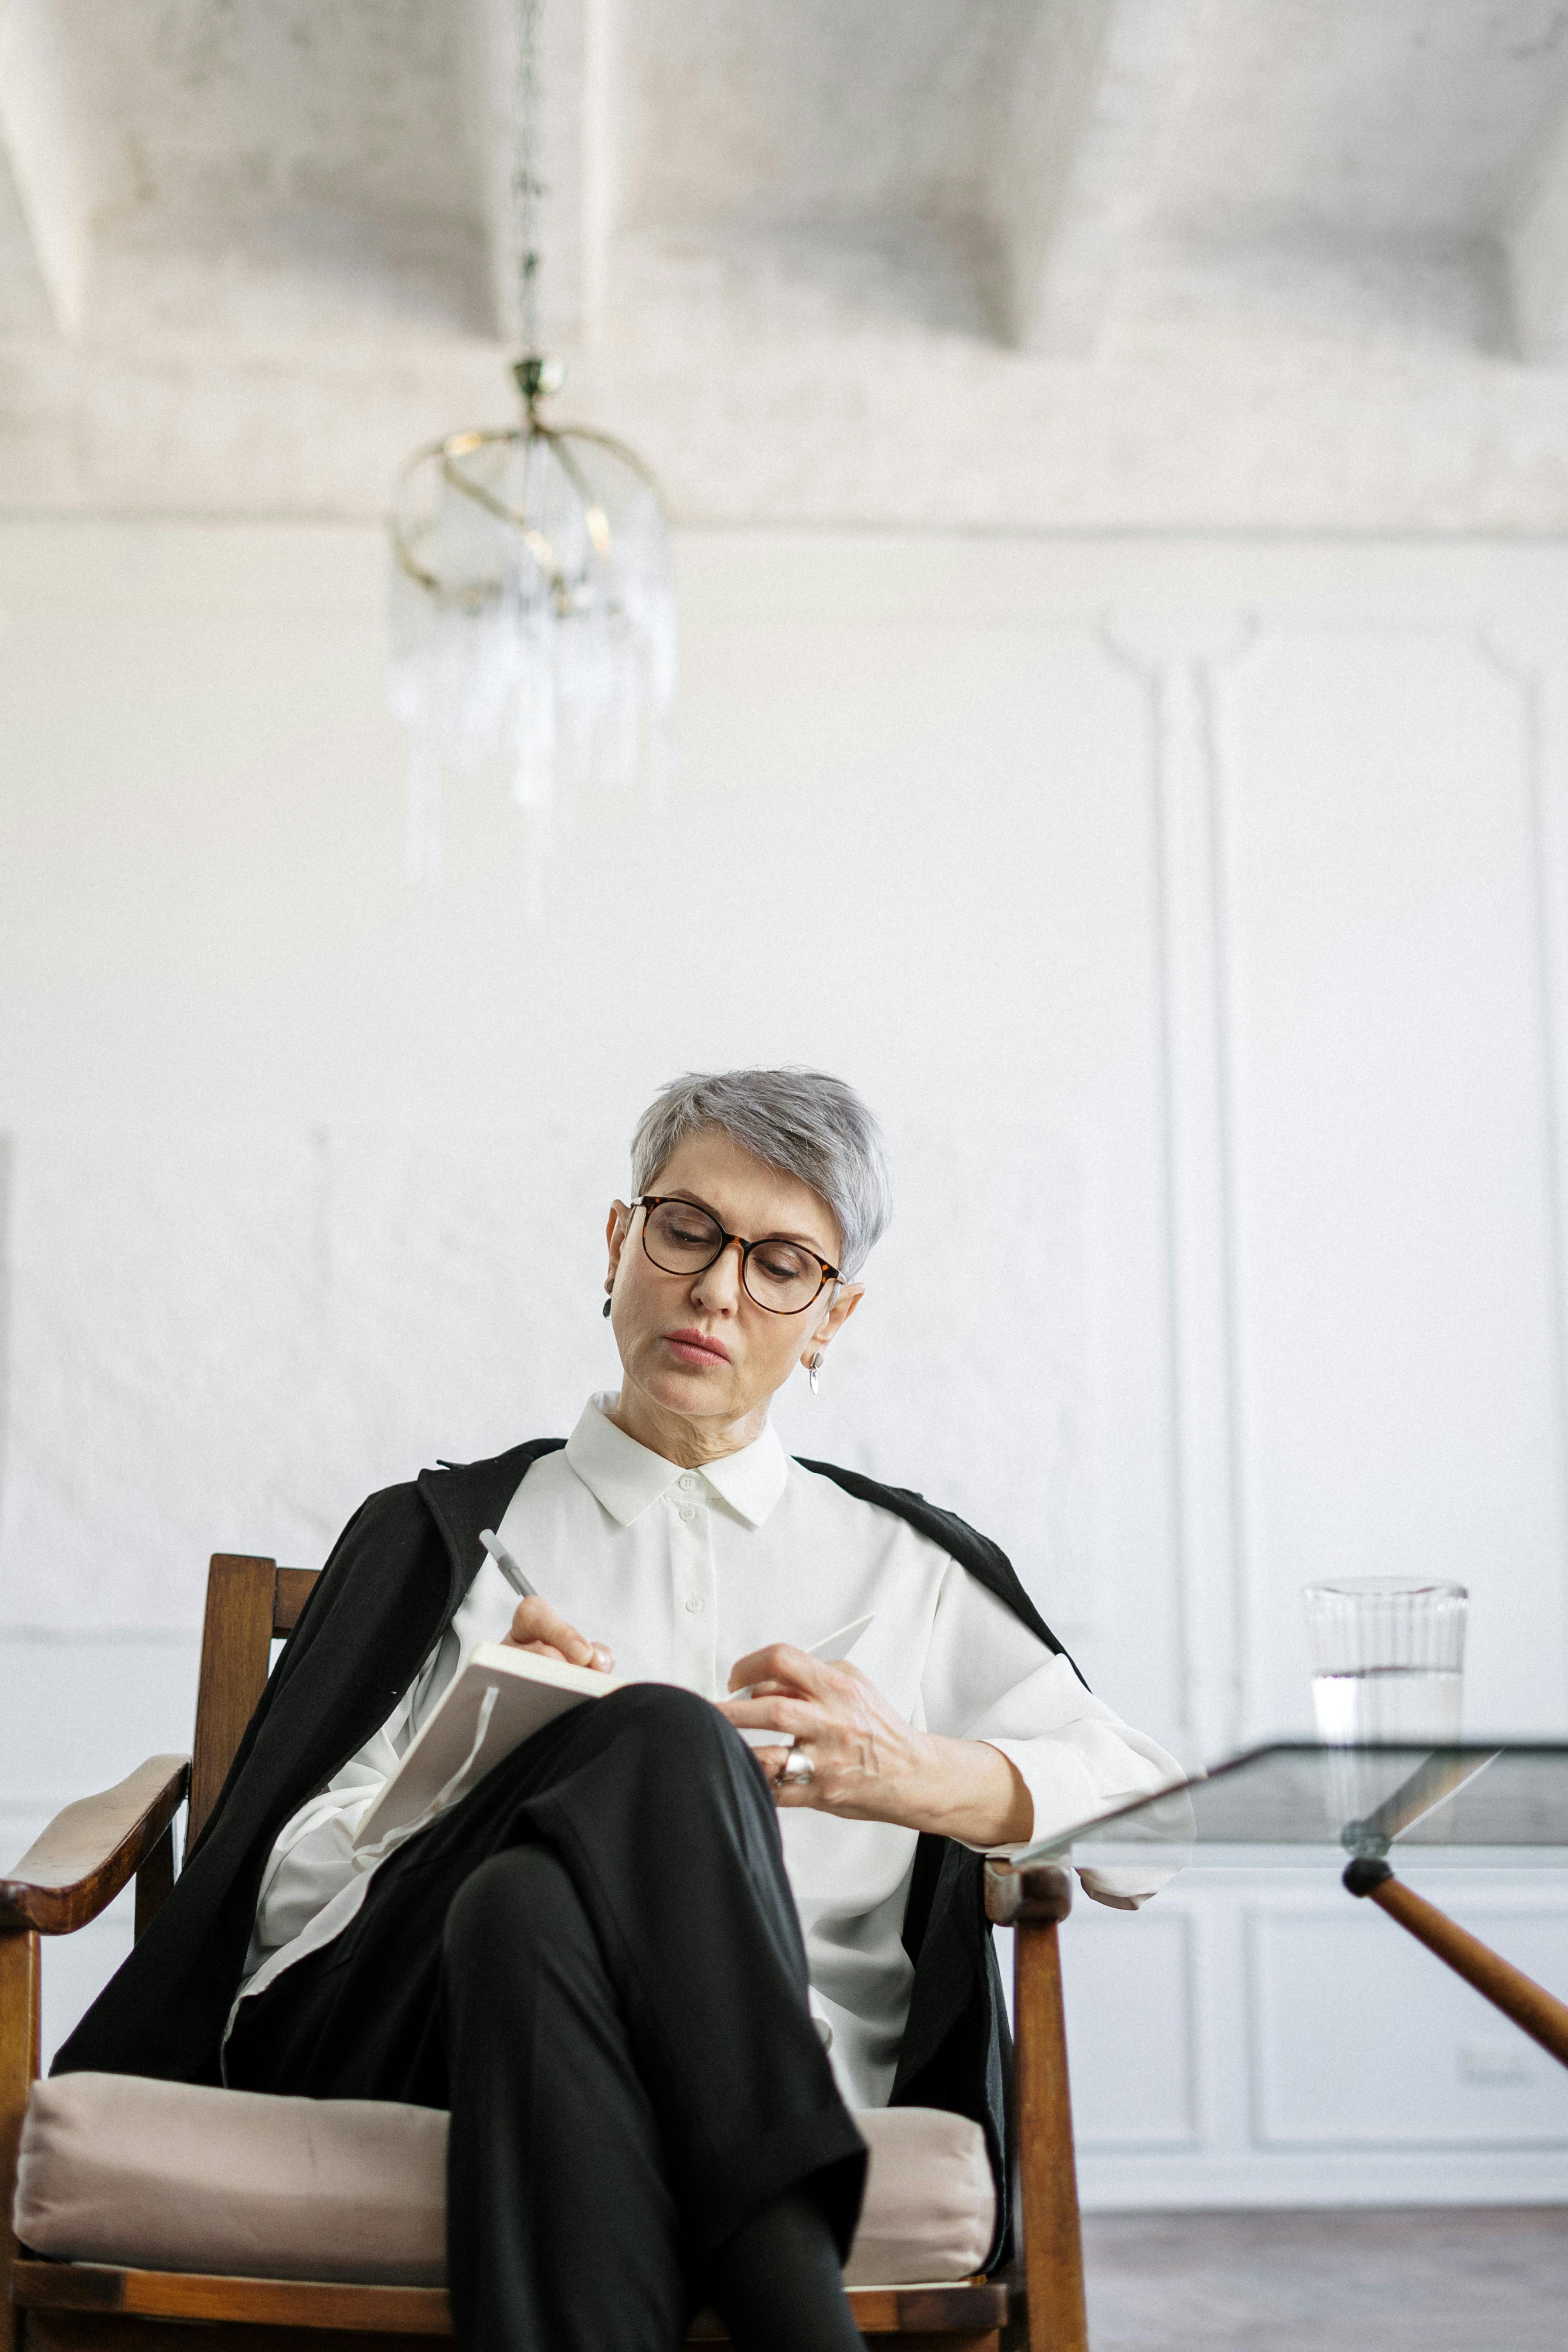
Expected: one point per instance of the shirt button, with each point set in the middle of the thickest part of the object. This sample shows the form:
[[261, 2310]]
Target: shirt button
[[688, 1482], [694, 1605], [686, 1512]]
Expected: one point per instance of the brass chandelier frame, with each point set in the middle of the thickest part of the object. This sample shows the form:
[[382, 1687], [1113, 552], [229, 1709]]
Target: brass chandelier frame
[[536, 377]]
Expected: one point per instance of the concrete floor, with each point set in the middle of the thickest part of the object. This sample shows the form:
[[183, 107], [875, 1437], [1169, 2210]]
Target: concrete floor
[[1479, 2279]]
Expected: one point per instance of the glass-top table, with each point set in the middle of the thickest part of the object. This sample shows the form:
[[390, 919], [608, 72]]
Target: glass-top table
[[1501, 1805]]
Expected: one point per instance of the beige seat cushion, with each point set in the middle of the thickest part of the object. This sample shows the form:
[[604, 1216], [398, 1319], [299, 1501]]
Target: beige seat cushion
[[162, 2175]]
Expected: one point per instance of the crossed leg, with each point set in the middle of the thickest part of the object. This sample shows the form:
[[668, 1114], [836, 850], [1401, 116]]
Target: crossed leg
[[595, 1962]]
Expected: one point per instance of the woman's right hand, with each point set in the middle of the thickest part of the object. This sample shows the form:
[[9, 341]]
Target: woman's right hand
[[536, 1626]]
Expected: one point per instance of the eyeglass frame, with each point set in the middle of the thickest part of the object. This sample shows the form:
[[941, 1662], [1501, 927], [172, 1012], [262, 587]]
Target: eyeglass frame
[[647, 1202]]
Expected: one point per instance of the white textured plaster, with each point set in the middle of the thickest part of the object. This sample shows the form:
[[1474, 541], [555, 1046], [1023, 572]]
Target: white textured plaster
[[1219, 409], [222, 1341], [280, 136], [1403, 120], [1074, 176], [1535, 252], [808, 143], [25, 307], [43, 211], [489, 90], [827, 112], [200, 108], [1258, 245]]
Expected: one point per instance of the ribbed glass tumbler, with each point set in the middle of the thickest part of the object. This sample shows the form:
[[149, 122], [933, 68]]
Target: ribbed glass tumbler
[[1388, 1658]]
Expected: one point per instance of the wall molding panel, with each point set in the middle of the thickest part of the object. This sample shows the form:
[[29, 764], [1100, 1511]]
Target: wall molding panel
[[1141, 2091], [1356, 2043], [1388, 1031], [1337, 2061], [1531, 656], [1176, 663]]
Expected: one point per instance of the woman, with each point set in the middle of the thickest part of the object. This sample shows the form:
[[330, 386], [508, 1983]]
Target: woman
[[653, 1958]]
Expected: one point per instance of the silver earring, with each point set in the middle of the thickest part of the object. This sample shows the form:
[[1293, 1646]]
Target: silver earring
[[813, 1369]]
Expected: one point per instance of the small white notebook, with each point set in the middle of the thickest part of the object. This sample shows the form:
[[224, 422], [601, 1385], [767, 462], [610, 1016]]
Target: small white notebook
[[500, 1697]]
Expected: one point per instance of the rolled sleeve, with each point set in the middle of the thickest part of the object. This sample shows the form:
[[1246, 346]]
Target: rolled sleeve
[[989, 1678]]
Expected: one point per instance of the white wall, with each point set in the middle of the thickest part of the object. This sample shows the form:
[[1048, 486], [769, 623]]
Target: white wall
[[1194, 912]]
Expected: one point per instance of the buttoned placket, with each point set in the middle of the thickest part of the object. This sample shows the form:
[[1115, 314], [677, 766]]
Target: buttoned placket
[[693, 1589]]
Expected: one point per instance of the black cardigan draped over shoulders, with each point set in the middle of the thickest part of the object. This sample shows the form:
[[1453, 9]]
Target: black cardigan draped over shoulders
[[394, 1582]]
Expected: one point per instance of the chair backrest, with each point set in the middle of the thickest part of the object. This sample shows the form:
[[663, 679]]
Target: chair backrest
[[250, 1602]]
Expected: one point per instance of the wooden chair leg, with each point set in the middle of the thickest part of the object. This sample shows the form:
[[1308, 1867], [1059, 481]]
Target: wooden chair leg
[[1047, 2171], [1034, 1901], [20, 2027]]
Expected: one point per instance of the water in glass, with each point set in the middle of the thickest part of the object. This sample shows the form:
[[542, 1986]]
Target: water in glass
[[1388, 1654], [1389, 1703]]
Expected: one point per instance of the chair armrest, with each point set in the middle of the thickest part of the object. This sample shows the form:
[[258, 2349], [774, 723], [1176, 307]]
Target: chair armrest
[[93, 1849], [1040, 1894]]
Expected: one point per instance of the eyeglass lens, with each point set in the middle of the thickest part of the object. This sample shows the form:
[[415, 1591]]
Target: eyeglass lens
[[683, 1239]]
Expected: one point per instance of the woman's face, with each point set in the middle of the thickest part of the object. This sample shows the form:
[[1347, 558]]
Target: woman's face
[[699, 1347]]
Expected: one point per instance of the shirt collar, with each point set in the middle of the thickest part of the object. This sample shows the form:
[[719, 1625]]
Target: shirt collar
[[627, 1478]]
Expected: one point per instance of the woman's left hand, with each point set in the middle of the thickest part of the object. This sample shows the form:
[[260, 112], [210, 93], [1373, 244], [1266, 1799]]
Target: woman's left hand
[[867, 1763]]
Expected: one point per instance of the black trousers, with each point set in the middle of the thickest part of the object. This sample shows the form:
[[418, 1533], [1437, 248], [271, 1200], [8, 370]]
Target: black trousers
[[595, 1962]]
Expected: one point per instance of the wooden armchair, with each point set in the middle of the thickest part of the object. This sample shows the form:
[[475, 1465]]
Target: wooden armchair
[[96, 1847]]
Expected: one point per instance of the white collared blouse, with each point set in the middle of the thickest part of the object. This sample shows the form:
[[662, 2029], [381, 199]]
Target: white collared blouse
[[681, 1573]]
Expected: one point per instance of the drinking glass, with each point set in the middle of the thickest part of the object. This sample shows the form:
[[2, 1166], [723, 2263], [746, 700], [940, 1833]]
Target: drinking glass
[[1388, 1655]]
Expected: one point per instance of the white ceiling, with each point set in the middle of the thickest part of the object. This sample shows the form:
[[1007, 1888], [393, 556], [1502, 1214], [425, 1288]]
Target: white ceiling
[[1249, 264]]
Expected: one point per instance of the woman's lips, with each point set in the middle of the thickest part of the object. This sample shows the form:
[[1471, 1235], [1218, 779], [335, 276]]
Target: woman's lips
[[695, 1347]]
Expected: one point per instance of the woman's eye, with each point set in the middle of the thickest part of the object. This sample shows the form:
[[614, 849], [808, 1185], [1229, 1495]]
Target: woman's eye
[[781, 1266]]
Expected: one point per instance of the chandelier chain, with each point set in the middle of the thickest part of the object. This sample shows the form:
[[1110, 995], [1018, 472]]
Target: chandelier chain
[[528, 189]]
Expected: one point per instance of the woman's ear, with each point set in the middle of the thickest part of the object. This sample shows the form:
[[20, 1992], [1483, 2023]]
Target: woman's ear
[[617, 1227], [846, 1298]]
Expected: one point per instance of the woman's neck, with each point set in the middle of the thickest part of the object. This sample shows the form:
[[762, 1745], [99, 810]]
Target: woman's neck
[[675, 1436]]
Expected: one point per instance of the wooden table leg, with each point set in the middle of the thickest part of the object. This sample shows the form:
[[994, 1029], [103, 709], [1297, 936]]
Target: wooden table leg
[[1532, 2008]]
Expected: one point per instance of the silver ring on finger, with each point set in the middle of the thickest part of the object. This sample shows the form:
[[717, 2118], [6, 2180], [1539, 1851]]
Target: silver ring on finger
[[797, 1770]]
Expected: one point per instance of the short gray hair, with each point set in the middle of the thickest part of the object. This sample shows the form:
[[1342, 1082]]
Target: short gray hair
[[801, 1122]]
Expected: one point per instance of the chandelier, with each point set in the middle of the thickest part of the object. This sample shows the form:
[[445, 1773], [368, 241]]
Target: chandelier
[[533, 610]]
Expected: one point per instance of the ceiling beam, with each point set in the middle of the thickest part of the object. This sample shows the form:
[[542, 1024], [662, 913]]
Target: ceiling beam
[[1535, 252], [43, 211], [581, 69], [1092, 93]]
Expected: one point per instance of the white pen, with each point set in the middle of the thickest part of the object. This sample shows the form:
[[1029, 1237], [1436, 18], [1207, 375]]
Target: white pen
[[829, 1652], [507, 1564], [526, 1591]]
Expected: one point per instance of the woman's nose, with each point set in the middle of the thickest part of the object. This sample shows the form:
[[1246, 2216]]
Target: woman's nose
[[719, 1286]]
